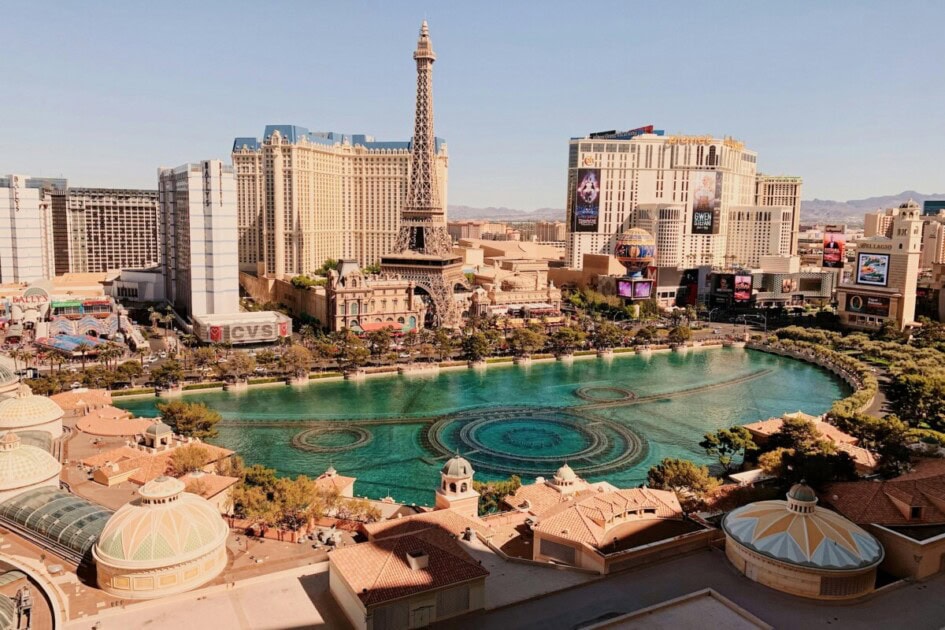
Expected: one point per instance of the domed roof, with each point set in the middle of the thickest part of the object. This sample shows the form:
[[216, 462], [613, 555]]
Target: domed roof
[[7, 372], [23, 409], [566, 473], [802, 492], [515, 283], [457, 467], [22, 465], [158, 428], [165, 526], [798, 532]]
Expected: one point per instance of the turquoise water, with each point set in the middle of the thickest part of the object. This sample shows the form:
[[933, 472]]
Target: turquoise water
[[393, 433]]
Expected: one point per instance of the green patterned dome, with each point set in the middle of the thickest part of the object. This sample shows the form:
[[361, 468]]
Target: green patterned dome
[[22, 465], [164, 526]]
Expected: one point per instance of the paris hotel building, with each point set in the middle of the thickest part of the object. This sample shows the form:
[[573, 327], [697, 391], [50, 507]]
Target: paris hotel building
[[304, 197]]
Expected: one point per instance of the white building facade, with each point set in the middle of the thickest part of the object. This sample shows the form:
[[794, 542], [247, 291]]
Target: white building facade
[[26, 240], [198, 215], [681, 189]]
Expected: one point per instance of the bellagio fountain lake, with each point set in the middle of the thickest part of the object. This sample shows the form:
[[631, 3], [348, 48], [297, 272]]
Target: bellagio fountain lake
[[608, 418]]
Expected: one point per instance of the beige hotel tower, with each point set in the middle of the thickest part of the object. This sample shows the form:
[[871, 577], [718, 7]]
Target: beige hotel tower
[[304, 197]]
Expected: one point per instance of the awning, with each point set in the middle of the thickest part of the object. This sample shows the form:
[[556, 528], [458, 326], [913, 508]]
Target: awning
[[372, 326]]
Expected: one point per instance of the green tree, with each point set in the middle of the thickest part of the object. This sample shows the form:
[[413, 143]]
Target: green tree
[[239, 366], [566, 339], [190, 419], [681, 476], [443, 344], [679, 334], [476, 346], [492, 493], [189, 458], [369, 270], [607, 335], [298, 360], [329, 265], [800, 435], [167, 374], [379, 342], [645, 335], [727, 444], [525, 341]]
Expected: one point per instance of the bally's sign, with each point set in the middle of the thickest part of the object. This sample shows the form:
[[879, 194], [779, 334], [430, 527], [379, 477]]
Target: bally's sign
[[248, 333]]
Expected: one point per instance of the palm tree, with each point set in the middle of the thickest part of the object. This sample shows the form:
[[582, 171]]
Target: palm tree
[[83, 349], [167, 319], [16, 354]]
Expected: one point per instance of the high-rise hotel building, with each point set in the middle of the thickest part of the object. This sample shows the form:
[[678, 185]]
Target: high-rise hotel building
[[698, 196], [198, 216], [98, 229], [304, 197], [26, 234]]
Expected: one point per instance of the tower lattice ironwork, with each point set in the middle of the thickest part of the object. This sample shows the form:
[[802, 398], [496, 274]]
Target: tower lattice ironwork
[[424, 250]]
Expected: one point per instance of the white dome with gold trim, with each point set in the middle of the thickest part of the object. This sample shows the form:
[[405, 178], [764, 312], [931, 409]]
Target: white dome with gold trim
[[23, 410], [23, 467], [165, 525]]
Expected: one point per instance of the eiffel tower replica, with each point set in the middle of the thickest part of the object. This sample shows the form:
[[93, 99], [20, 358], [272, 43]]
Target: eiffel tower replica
[[423, 253]]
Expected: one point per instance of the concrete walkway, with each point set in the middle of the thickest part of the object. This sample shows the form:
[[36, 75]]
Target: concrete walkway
[[510, 582], [913, 606], [298, 599]]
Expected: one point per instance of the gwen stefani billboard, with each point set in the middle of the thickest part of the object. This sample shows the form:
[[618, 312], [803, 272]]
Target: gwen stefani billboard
[[706, 201], [587, 200]]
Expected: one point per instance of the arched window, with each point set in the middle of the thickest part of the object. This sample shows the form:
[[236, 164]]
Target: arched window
[[444, 486], [452, 487], [713, 159], [353, 308], [462, 488]]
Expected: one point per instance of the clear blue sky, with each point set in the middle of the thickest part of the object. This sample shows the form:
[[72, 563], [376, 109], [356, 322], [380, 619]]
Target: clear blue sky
[[847, 94]]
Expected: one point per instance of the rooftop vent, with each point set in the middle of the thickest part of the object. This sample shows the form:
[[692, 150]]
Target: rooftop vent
[[418, 559]]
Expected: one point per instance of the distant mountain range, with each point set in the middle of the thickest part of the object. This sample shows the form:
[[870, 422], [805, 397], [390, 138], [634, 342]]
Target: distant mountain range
[[851, 212], [812, 211]]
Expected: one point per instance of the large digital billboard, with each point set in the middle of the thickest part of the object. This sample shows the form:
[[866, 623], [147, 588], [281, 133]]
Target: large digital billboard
[[835, 244], [742, 288], [625, 288], [723, 283], [872, 269], [706, 202], [642, 289], [587, 200], [635, 289], [868, 305]]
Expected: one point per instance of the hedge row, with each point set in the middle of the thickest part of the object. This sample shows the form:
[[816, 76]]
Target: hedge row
[[209, 385], [132, 392]]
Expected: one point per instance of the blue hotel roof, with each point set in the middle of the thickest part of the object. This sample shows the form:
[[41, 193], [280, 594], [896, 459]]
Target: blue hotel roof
[[294, 134]]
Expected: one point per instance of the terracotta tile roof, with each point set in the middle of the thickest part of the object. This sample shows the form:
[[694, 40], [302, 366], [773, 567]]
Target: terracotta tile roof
[[588, 518], [773, 425], [891, 502], [336, 482], [379, 571], [445, 520], [863, 458], [70, 400], [213, 484], [540, 496], [146, 466]]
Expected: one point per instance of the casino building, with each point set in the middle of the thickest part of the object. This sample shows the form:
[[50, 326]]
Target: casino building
[[701, 197], [883, 283]]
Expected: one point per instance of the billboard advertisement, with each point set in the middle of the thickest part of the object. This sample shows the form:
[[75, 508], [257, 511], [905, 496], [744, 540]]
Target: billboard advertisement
[[835, 244], [742, 288], [788, 285], [723, 283], [872, 269], [706, 202], [635, 289], [587, 200], [868, 305], [642, 289]]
